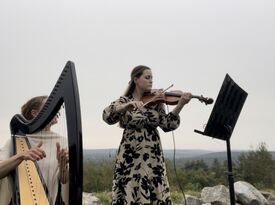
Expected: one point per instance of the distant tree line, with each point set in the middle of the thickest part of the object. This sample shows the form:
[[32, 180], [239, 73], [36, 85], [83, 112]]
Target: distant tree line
[[256, 167]]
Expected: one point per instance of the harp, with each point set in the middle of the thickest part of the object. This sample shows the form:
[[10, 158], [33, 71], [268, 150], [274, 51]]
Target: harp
[[65, 93]]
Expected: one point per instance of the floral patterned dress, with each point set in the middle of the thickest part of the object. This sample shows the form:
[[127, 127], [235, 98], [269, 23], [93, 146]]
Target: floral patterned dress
[[139, 173]]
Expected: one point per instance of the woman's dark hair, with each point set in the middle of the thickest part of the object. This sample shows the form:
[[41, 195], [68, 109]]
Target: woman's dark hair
[[136, 73], [32, 104]]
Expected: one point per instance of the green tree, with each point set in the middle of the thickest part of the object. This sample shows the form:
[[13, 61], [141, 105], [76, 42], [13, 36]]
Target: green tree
[[219, 169], [257, 167], [97, 176], [196, 165]]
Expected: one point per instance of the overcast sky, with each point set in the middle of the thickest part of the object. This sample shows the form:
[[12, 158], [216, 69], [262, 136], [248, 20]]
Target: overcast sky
[[191, 44]]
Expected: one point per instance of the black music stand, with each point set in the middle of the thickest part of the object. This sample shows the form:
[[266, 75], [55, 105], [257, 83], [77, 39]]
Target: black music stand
[[223, 119]]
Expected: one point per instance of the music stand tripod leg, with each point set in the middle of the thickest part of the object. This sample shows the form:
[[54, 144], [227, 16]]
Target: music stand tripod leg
[[230, 174]]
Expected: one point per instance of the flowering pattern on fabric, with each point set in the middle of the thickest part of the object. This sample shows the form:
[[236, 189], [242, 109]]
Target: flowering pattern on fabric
[[139, 173]]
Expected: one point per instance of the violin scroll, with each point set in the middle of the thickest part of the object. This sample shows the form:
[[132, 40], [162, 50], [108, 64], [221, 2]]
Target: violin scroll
[[202, 99]]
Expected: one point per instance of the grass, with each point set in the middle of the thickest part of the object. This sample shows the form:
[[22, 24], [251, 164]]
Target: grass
[[177, 197], [104, 197]]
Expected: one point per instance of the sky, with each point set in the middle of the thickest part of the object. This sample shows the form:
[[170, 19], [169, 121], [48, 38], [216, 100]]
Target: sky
[[192, 44]]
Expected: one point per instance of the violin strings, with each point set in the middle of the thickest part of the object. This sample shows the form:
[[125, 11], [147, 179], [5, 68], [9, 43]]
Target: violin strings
[[160, 93]]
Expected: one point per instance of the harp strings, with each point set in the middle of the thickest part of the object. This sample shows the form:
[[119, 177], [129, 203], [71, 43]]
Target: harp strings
[[63, 141], [49, 167]]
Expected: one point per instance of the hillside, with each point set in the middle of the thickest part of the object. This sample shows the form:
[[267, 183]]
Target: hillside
[[183, 154]]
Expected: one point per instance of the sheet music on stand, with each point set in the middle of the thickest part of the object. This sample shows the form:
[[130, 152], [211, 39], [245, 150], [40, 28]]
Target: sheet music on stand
[[223, 119]]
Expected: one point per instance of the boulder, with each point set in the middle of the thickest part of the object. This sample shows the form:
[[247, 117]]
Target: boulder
[[191, 200], [217, 195], [270, 197], [248, 194], [90, 199]]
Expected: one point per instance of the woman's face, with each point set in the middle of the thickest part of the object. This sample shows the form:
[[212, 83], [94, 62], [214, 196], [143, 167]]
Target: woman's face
[[145, 81], [35, 112]]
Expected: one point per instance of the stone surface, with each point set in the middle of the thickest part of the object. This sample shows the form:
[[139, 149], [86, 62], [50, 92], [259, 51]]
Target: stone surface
[[89, 199], [217, 195], [192, 200], [248, 194]]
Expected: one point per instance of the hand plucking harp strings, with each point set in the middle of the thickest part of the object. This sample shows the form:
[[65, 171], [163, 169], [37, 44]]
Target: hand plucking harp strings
[[34, 154], [63, 159]]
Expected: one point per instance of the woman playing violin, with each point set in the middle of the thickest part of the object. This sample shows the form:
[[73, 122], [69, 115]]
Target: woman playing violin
[[140, 173]]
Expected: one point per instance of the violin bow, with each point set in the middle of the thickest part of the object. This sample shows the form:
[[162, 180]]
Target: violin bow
[[163, 91]]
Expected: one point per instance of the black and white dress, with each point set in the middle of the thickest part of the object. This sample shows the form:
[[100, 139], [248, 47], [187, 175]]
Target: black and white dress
[[139, 173]]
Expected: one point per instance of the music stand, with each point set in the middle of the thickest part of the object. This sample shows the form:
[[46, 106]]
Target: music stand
[[223, 119]]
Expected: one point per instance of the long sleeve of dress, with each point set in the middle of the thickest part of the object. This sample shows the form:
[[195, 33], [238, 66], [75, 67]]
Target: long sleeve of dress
[[168, 122], [6, 183], [110, 115]]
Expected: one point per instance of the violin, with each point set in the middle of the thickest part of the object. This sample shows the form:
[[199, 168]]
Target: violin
[[171, 98]]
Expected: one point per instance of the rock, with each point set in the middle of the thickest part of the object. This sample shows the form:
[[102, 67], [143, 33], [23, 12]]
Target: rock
[[217, 195], [269, 196], [248, 194], [265, 194], [89, 199], [191, 200]]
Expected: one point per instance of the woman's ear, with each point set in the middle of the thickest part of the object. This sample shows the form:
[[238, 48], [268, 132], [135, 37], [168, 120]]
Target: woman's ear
[[135, 80], [34, 113]]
